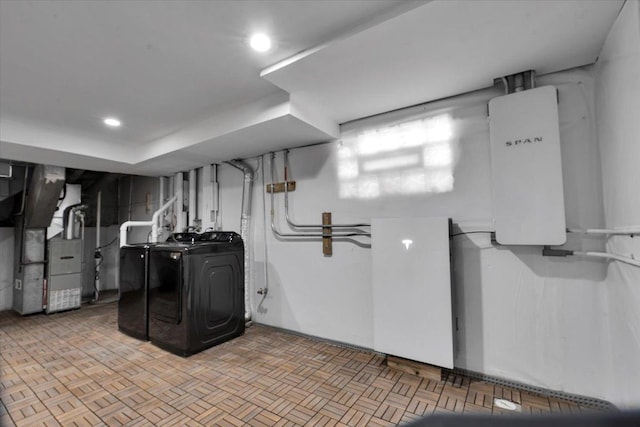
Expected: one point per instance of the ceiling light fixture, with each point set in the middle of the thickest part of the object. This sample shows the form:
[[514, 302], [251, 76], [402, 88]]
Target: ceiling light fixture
[[112, 122], [260, 42]]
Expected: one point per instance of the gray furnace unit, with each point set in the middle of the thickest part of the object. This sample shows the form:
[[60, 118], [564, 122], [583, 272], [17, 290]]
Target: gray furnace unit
[[64, 276]]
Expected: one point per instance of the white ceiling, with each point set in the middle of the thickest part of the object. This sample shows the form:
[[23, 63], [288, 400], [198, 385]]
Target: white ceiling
[[190, 92]]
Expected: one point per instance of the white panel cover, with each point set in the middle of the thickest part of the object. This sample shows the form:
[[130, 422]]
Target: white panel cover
[[528, 198], [412, 315]]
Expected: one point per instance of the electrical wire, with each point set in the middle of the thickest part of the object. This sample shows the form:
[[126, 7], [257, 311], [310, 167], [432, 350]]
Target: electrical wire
[[471, 232], [108, 244]]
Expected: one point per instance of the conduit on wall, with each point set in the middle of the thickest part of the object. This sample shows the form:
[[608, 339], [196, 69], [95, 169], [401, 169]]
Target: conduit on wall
[[193, 221], [290, 222], [215, 196], [285, 236], [245, 216]]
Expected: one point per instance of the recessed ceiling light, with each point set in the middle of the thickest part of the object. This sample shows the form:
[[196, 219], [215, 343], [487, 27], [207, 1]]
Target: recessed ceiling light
[[112, 122], [260, 42]]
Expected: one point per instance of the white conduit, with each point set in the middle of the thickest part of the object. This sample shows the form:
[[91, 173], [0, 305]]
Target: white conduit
[[193, 212], [247, 190], [154, 223], [607, 255], [215, 196], [179, 192], [622, 231]]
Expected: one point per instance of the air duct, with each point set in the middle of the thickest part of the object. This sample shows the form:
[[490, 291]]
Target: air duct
[[245, 216], [69, 221]]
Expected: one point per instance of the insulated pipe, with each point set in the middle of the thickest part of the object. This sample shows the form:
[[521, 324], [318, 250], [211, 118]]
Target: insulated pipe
[[606, 255], [193, 212], [215, 195], [279, 234], [247, 190], [286, 206], [179, 192], [622, 231]]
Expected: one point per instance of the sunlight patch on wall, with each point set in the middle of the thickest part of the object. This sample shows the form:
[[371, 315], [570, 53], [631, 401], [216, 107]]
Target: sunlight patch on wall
[[413, 157]]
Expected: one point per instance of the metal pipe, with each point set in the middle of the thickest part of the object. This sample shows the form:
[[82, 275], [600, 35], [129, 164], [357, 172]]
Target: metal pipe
[[286, 206], [160, 190], [607, 255], [68, 225], [193, 212], [622, 231], [97, 260], [215, 195], [179, 192], [247, 190], [320, 235], [130, 196]]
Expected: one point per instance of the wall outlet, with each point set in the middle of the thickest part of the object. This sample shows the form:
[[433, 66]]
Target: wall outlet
[[18, 284]]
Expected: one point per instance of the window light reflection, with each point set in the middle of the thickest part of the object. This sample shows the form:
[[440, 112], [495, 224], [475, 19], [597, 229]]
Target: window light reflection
[[413, 157]]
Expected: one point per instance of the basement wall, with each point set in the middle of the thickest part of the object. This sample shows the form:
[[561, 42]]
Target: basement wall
[[6, 268], [618, 109], [536, 320]]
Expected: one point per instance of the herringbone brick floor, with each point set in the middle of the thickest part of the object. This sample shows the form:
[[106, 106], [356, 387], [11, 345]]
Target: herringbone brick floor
[[76, 369]]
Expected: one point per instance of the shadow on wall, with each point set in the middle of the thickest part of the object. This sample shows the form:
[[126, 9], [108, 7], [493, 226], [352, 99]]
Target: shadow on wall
[[468, 304]]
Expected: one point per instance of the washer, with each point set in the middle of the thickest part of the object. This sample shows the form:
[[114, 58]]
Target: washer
[[133, 303], [196, 291]]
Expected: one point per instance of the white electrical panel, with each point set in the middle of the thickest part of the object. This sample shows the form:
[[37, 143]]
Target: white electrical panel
[[412, 312], [528, 197]]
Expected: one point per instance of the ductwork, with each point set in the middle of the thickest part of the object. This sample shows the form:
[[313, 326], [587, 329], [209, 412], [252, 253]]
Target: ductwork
[[68, 220], [42, 199], [245, 217]]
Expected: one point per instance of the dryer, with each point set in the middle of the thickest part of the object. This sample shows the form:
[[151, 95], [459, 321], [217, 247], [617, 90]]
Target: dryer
[[133, 304], [196, 291]]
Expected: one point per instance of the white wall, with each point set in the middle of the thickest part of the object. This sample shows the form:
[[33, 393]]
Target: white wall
[[618, 109], [524, 317], [6, 268]]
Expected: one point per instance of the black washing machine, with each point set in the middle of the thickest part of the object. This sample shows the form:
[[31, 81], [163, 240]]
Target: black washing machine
[[196, 291], [133, 303]]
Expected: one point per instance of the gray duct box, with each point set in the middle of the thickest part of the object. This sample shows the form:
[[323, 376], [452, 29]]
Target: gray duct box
[[528, 195]]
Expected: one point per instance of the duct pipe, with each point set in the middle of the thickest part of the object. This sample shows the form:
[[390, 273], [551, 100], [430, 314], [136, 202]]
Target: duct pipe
[[244, 228], [215, 196], [24, 190], [193, 212], [68, 225], [179, 192]]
